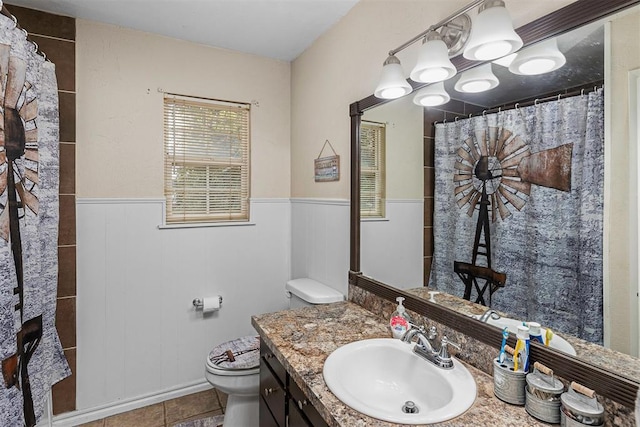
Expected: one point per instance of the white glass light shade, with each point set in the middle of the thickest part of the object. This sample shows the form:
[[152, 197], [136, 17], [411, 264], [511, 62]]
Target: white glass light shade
[[478, 79], [433, 61], [432, 95], [492, 34], [540, 58], [392, 84]]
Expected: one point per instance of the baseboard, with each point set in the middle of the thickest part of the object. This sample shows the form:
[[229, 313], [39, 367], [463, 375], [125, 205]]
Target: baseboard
[[84, 416]]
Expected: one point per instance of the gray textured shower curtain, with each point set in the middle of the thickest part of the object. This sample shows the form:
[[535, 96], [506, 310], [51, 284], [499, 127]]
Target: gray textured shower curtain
[[31, 356], [545, 188]]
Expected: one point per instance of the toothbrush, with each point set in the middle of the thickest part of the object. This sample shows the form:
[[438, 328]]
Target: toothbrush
[[516, 353], [505, 335], [548, 335]]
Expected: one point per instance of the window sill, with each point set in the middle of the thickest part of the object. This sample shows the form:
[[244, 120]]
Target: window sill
[[206, 225], [374, 219]]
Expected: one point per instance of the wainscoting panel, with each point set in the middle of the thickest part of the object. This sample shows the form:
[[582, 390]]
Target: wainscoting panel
[[138, 331], [320, 241], [391, 249]]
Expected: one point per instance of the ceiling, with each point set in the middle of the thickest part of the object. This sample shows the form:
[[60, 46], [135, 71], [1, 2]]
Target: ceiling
[[280, 29]]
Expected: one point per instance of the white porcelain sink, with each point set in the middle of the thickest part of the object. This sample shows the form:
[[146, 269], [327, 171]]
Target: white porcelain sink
[[378, 376], [557, 341]]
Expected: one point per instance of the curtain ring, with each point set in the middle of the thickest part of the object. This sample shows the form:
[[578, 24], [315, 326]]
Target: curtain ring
[[15, 21], [535, 102], [559, 95], [484, 113], [499, 109], [24, 32], [516, 106], [456, 119], [595, 88], [35, 46], [470, 115], [444, 121]]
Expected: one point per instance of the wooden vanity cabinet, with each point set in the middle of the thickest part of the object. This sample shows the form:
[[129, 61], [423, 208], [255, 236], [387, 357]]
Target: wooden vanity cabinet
[[282, 402]]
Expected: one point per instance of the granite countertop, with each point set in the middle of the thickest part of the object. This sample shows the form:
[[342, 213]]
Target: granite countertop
[[302, 339], [620, 363]]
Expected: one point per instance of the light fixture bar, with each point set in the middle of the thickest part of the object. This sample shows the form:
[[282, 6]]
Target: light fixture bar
[[434, 27]]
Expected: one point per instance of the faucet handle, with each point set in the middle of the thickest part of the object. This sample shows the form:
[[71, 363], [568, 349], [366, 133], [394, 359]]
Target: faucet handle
[[444, 351], [433, 333]]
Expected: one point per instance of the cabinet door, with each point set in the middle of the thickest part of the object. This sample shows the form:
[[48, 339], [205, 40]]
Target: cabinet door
[[273, 394], [266, 419], [299, 401], [296, 419]]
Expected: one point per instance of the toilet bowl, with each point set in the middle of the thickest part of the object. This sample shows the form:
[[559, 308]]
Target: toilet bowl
[[233, 367]]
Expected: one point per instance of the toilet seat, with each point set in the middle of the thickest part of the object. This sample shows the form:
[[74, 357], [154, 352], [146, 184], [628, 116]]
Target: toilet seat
[[246, 354]]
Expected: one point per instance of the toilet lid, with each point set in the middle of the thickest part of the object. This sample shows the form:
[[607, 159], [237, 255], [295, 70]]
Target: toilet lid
[[239, 354]]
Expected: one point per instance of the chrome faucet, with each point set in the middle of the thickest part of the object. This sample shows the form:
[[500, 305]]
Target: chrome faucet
[[425, 349], [491, 313]]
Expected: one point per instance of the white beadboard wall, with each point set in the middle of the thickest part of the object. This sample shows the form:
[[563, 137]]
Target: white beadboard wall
[[391, 250], [137, 330], [320, 241]]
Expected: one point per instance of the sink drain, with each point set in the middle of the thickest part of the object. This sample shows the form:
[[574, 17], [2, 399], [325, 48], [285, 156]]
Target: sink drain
[[409, 407]]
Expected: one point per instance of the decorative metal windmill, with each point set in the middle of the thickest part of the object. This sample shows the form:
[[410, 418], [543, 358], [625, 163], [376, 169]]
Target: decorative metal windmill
[[495, 170], [18, 184]]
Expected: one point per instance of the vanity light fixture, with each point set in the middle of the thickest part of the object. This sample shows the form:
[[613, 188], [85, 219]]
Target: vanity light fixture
[[492, 34], [433, 61], [478, 79], [540, 58], [392, 81], [432, 95]]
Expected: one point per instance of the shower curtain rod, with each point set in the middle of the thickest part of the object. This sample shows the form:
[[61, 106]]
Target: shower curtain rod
[[516, 105], [9, 15]]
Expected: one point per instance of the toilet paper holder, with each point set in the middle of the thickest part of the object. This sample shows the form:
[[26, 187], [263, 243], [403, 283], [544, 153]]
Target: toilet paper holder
[[198, 302]]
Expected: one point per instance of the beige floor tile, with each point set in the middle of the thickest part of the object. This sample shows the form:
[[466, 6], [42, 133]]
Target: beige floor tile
[[99, 423], [196, 417], [222, 397], [149, 416], [191, 405]]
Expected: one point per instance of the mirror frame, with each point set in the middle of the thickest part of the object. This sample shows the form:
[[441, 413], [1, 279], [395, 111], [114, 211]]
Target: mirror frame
[[606, 383]]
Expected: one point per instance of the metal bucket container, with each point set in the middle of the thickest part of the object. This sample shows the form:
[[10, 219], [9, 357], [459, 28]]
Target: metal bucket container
[[543, 393], [508, 386]]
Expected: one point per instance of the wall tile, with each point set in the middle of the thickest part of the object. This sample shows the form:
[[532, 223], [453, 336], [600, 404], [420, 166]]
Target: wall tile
[[427, 269], [66, 321], [428, 241], [63, 54], [67, 107], [67, 227], [64, 392], [66, 271], [67, 168], [428, 211], [428, 181], [429, 151], [43, 23]]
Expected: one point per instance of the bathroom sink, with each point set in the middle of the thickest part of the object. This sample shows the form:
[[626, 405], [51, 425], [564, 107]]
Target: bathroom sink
[[377, 377], [557, 341]]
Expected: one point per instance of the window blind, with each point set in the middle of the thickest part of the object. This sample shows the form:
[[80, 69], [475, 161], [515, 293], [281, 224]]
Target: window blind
[[206, 171], [372, 170]]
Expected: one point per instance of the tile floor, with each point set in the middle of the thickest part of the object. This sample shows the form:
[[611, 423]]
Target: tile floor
[[169, 413]]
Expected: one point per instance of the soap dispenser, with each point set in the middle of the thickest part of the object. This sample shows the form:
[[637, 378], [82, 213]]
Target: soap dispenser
[[400, 320]]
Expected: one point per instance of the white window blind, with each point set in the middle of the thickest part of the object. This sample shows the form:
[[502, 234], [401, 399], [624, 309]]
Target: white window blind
[[372, 170], [206, 170]]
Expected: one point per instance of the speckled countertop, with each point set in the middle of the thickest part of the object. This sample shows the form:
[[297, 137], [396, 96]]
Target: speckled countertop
[[620, 363], [302, 339]]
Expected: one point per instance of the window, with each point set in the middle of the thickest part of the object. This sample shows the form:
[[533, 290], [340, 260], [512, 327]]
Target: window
[[372, 170], [206, 153]]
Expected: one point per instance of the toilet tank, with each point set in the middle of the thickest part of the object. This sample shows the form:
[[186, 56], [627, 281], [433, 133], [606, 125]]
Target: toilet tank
[[306, 292]]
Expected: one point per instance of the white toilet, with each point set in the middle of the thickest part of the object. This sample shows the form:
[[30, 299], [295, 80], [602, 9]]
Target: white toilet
[[240, 378]]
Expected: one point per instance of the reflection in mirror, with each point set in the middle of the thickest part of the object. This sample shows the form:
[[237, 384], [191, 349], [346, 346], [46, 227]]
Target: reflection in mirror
[[385, 254]]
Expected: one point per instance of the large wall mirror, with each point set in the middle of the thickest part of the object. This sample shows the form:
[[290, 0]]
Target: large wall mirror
[[392, 250]]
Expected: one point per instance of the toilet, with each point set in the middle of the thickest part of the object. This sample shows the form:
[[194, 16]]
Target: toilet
[[233, 367]]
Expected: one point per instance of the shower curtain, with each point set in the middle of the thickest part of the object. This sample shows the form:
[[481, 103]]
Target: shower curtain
[[542, 168], [31, 356]]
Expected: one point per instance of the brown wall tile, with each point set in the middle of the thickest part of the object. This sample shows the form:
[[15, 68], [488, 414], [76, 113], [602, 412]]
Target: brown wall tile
[[428, 182], [66, 321], [43, 23], [67, 168], [66, 271], [429, 151], [63, 54], [67, 227], [428, 241], [67, 108], [428, 211], [427, 269], [64, 392]]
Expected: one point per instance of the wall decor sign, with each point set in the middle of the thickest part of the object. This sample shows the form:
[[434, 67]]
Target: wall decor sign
[[327, 168]]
